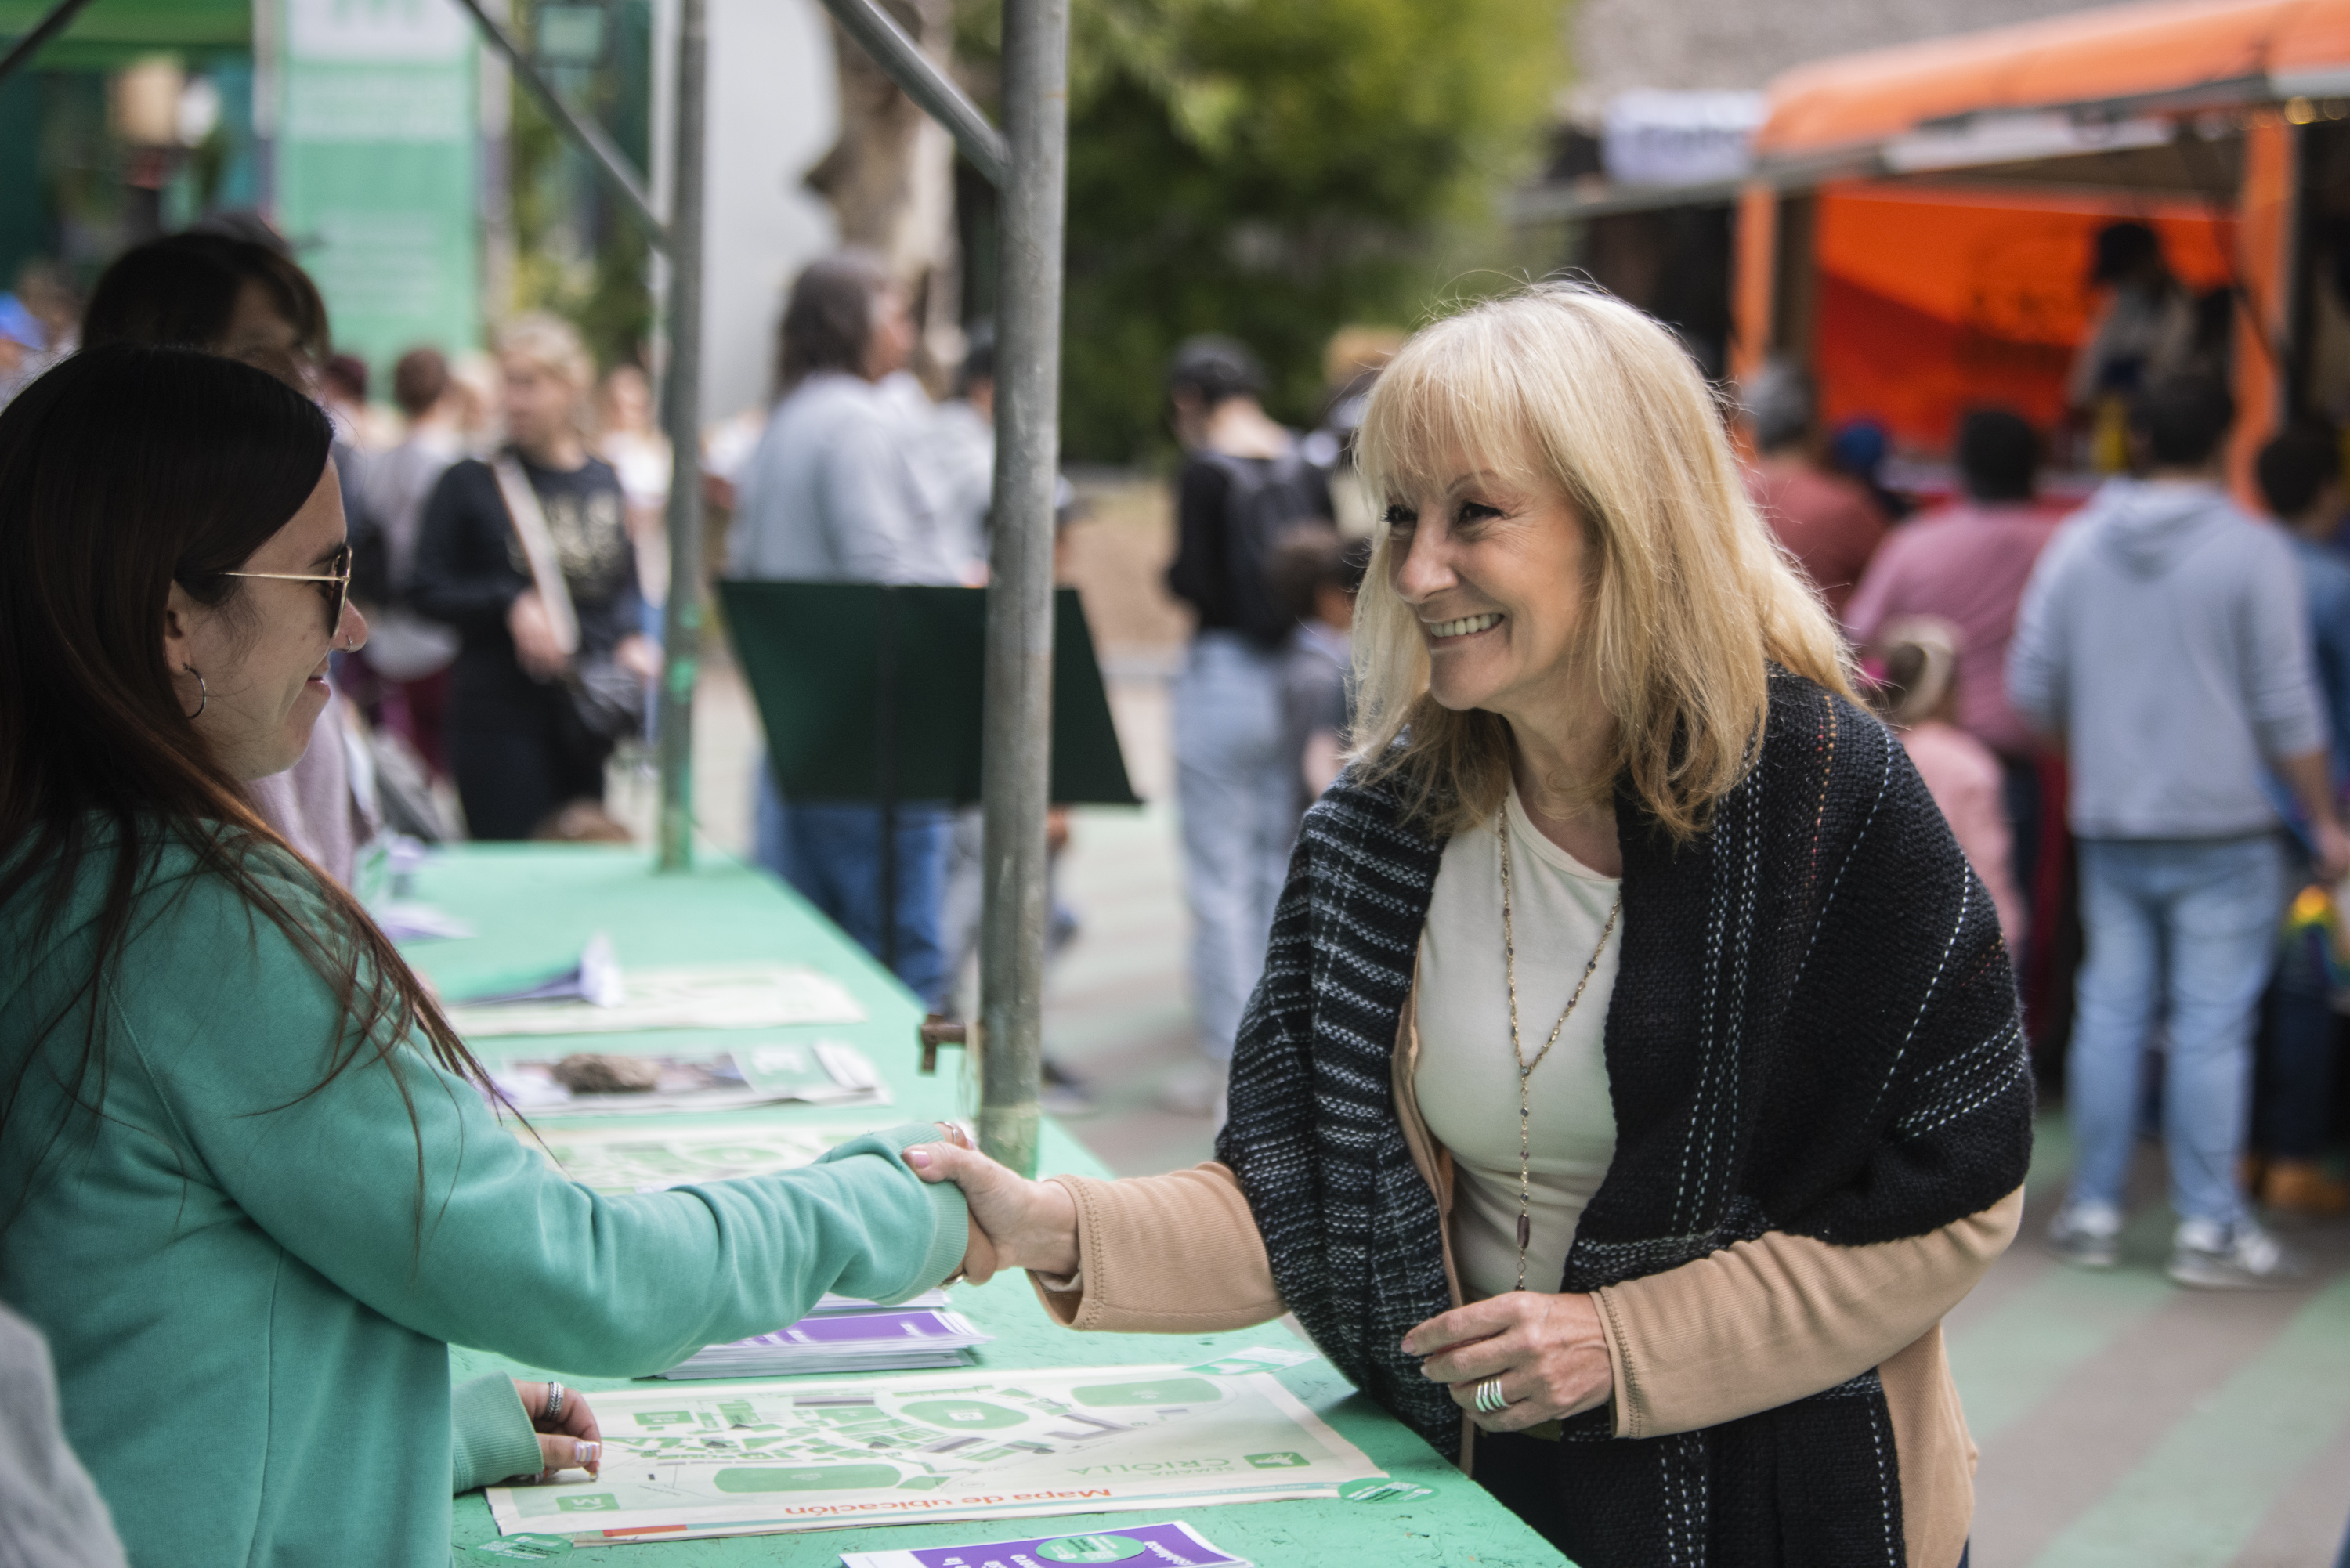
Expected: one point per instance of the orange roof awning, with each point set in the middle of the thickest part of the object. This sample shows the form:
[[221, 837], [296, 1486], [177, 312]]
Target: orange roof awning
[[2145, 57]]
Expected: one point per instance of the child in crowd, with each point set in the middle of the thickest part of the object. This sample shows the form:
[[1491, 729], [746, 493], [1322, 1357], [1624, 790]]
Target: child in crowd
[[1918, 695], [1315, 573]]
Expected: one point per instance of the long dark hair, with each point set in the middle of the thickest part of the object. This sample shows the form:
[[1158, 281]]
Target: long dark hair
[[828, 320], [182, 289], [125, 471]]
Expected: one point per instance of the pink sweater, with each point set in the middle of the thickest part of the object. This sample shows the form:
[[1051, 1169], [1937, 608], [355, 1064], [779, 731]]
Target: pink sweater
[[1963, 777]]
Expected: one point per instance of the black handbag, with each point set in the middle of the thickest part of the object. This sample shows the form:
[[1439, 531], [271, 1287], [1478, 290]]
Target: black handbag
[[610, 699]]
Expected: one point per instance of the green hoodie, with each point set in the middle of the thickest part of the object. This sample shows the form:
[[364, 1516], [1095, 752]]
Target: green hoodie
[[251, 1328]]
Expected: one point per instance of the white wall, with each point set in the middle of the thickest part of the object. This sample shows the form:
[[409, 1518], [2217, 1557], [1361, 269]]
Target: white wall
[[774, 112]]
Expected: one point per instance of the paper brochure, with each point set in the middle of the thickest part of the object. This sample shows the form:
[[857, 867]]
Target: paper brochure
[[1172, 1545], [752, 1458], [753, 1071], [878, 1339], [615, 1159]]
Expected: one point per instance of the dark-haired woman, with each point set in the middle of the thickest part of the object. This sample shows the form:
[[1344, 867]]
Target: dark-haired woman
[[250, 1187], [244, 300]]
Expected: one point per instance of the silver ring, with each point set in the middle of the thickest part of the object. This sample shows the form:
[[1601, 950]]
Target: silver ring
[[1489, 1398], [554, 1411]]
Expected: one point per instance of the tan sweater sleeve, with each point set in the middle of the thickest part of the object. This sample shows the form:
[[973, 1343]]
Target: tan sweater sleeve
[[1776, 1319], [1178, 1254]]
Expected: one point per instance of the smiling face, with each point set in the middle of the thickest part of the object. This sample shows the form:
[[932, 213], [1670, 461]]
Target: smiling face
[[262, 653], [1495, 570]]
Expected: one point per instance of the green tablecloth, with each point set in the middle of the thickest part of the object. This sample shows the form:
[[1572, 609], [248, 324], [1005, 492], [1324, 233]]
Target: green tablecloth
[[535, 905]]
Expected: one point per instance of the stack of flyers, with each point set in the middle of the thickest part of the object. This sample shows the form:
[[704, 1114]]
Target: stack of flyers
[[890, 1339], [1172, 1545], [594, 979], [830, 1303]]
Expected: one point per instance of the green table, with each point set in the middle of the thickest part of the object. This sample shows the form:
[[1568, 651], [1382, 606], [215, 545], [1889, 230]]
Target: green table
[[535, 905]]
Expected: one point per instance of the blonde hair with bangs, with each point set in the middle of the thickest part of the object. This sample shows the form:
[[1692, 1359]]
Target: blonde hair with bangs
[[1689, 599], [550, 343]]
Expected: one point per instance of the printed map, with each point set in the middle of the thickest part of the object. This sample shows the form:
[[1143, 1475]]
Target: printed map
[[745, 1457]]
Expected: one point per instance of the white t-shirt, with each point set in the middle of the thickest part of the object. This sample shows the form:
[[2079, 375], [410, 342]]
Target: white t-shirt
[[1467, 1079]]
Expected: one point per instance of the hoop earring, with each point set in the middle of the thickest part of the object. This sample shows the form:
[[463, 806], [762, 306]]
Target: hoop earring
[[204, 694]]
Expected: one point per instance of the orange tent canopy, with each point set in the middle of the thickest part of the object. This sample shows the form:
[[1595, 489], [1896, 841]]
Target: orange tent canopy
[[1931, 300], [2126, 53]]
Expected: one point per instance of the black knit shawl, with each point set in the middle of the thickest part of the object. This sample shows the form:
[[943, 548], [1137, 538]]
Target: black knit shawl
[[1812, 1031]]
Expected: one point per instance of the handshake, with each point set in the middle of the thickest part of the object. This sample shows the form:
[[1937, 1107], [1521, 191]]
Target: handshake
[[1015, 1223]]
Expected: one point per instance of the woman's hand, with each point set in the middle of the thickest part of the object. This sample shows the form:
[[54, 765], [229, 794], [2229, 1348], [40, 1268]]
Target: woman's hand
[[571, 1441], [1028, 1224], [640, 657], [536, 648], [1547, 1350]]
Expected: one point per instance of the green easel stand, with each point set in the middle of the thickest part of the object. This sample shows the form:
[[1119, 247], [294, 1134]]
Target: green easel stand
[[874, 693]]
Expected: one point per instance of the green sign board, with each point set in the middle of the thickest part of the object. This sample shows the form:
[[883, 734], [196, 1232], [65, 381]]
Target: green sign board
[[378, 167]]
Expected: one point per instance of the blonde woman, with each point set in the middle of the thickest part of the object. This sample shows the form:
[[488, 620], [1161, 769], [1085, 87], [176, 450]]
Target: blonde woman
[[1635, 1080], [543, 643]]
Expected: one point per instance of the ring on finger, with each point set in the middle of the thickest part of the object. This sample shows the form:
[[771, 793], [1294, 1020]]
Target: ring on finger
[[1489, 1398], [554, 1411]]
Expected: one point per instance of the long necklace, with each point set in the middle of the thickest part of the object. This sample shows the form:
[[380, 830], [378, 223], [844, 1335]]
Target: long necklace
[[1527, 1068]]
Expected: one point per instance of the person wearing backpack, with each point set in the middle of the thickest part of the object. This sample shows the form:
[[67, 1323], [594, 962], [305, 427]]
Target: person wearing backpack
[[1244, 485]]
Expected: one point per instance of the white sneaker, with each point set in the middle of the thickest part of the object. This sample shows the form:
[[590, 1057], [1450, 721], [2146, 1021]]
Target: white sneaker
[[2210, 1256], [2087, 1235]]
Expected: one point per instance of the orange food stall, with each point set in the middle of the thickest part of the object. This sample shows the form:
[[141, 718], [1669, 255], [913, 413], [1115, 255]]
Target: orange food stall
[[1918, 230]]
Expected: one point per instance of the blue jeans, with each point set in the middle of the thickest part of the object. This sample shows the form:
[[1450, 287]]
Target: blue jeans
[[1237, 790], [830, 854], [2182, 929]]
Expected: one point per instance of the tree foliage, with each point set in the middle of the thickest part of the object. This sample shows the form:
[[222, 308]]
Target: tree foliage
[[1276, 168], [578, 251]]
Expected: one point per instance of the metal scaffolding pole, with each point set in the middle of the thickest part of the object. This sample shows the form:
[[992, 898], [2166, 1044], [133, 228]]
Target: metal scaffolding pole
[[585, 134], [681, 418], [1028, 161], [679, 241], [1015, 767], [59, 18]]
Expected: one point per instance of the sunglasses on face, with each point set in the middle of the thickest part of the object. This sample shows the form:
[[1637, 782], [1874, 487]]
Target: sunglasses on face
[[335, 586]]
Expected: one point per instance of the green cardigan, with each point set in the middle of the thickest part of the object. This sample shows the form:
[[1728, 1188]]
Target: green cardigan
[[251, 1332]]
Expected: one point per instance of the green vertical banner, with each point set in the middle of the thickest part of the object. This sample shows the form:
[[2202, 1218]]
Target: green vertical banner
[[378, 158]]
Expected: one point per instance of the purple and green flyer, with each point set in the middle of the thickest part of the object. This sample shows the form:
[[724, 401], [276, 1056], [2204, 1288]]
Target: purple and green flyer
[[1170, 1545]]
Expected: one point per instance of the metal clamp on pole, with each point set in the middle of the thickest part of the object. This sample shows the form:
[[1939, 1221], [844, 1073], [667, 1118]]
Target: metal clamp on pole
[[938, 1029]]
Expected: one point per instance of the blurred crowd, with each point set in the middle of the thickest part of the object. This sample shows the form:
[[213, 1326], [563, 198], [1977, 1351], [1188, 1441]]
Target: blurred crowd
[[2134, 708]]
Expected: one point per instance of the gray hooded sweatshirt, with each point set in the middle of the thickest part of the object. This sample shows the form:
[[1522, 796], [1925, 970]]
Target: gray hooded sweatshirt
[[2163, 637]]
